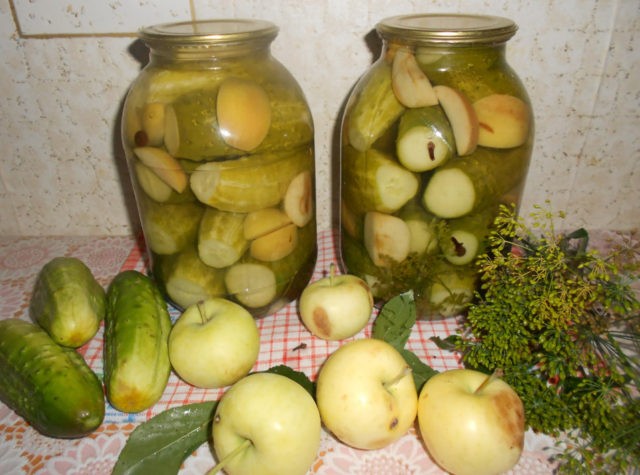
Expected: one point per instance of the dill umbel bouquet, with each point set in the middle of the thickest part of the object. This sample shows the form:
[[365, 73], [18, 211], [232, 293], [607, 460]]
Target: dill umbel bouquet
[[562, 321]]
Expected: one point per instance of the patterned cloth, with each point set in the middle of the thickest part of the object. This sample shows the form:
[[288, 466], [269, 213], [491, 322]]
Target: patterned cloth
[[284, 340]]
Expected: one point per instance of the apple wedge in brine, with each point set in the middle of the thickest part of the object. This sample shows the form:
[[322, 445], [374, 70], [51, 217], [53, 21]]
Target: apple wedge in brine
[[462, 118], [386, 237], [164, 165], [410, 84]]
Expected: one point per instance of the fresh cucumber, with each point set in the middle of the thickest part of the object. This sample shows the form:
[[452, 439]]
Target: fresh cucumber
[[67, 301], [50, 386], [136, 353]]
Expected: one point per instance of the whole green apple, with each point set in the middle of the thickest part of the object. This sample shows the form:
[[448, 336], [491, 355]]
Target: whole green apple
[[214, 343], [336, 307], [471, 423], [366, 394], [266, 424]]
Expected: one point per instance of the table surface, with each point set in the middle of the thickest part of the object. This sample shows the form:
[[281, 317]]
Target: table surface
[[284, 340]]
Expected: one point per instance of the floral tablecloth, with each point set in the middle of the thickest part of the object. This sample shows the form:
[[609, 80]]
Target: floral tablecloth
[[284, 340]]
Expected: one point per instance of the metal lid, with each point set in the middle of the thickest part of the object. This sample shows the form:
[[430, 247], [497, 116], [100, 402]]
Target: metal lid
[[207, 33], [447, 28]]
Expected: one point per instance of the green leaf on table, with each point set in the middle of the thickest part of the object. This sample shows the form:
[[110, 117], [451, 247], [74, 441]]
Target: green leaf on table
[[421, 372], [162, 443], [296, 376], [395, 320], [393, 325]]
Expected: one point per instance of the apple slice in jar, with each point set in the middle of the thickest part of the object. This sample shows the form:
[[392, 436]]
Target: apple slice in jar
[[244, 113], [164, 165], [410, 84], [251, 284], [171, 130], [504, 121], [275, 245], [153, 123], [264, 221], [298, 199], [462, 118], [386, 238], [151, 183]]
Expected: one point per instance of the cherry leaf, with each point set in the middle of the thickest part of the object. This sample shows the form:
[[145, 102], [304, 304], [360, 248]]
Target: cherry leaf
[[162, 443]]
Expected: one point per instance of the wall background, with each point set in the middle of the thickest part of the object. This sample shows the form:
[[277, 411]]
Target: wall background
[[66, 67]]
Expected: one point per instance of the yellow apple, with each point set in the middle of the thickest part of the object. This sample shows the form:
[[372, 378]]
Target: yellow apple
[[366, 394], [336, 307], [471, 423], [214, 343], [266, 424]]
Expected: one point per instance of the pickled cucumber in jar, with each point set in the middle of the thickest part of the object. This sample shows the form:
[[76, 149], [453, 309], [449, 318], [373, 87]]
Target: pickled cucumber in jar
[[436, 135], [218, 138]]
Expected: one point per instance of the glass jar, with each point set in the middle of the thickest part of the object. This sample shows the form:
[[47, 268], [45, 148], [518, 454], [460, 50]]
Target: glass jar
[[218, 139], [435, 136]]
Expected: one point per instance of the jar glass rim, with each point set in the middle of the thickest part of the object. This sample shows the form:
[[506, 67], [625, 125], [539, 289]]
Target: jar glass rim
[[448, 28], [208, 32]]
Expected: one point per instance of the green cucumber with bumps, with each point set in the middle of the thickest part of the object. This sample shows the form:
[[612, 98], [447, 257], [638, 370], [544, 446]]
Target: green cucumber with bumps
[[49, 385], [136, 351], [67, 301]]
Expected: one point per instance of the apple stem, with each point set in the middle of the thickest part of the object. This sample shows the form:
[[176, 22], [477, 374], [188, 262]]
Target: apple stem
[[332, 272], [497, 373], [406, 370], [246, 443], [200, 305]]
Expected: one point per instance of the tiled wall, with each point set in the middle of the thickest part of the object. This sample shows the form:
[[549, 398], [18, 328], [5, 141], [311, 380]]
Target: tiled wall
[[66, 66]]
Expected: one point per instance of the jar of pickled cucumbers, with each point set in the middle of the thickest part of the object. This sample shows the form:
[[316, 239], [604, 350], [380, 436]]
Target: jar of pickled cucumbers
[[436, 135], [218, 139]]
